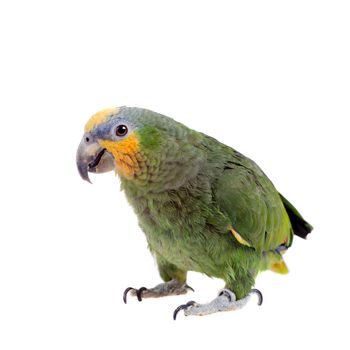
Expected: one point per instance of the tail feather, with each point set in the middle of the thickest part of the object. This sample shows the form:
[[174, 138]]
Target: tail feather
[[300, 227]]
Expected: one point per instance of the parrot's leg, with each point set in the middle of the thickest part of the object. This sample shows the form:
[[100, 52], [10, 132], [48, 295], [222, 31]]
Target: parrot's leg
[[234, 296], [173, 287], [175, 283], [225, 301]]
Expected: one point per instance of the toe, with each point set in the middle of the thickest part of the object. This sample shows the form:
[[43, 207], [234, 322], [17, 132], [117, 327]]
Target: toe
[[260, 296], [139, 293], [125, 294], [187, 287], [134, 292], [228, 294], [183, 307]]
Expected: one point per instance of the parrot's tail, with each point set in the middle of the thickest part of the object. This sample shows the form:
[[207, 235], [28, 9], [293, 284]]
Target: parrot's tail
[[300, 227]]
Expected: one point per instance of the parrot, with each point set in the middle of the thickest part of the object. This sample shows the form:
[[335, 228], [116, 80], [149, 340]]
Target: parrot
[[202, 205]]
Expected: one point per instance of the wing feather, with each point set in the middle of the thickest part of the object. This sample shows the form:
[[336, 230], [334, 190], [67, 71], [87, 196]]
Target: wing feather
[[253, 205]]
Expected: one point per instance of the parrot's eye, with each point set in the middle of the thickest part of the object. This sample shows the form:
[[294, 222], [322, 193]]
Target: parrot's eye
[[121, 130], [87, 138]]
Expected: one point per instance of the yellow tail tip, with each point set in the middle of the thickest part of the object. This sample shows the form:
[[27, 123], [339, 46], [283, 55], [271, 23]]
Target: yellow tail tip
[[279, 267]]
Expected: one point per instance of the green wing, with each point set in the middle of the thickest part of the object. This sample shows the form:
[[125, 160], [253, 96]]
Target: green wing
[[253, 205]]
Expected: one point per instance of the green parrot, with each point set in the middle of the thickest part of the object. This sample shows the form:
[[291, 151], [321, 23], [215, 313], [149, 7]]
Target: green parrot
[[202, 205]]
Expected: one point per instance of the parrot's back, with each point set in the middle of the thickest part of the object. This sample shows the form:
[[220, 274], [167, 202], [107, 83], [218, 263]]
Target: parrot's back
[[260, 216]]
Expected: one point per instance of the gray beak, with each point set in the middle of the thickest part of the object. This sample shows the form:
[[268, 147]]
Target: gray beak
[[91, 157]]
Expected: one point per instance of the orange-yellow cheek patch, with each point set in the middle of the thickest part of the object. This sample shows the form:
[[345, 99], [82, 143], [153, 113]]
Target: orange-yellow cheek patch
[[125, 153], [99, 118]]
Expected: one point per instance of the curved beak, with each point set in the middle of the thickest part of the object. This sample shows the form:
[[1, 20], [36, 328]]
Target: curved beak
[[91, 157]]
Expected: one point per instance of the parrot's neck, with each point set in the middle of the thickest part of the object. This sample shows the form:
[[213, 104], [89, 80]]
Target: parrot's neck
[[170, 169], [168, 176]]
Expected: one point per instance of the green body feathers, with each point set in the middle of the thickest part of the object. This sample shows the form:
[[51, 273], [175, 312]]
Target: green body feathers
[[191, 192]]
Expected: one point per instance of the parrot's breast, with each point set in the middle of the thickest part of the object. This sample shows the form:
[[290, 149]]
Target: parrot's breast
[[185, 228]]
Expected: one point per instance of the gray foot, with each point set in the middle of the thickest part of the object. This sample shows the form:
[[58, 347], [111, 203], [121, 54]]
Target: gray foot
[[172, 287], [225, 301]]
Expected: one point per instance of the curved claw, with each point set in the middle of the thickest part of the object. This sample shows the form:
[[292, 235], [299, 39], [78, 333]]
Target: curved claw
[[125, 294], [138, 293], [189, 287], [182, 307], [227, 294], [260, 296]]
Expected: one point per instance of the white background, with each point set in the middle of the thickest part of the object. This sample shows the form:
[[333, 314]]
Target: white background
[[269, 78]]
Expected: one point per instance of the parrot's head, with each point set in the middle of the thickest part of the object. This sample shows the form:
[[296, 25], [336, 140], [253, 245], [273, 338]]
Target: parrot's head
[[142, 146]]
